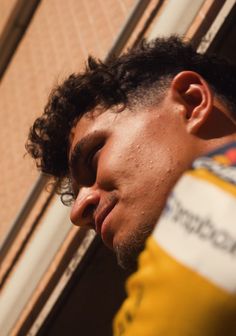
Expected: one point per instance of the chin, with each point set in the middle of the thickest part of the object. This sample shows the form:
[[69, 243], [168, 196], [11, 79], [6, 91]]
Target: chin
[[126, 257], [128, 250]]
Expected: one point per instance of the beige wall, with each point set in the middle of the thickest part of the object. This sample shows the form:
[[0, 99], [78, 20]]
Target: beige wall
[[6, 7]]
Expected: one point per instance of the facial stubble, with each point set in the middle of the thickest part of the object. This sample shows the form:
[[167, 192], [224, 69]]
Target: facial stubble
[[127, 251]]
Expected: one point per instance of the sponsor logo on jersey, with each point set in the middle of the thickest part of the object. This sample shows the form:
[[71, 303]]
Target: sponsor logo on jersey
[[198, 228], [201, 226]]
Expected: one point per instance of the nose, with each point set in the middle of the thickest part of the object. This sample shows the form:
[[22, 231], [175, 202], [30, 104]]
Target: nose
[[84, 206]]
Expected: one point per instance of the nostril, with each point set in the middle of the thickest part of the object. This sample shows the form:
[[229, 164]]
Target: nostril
[[88, 211], [85, 204]]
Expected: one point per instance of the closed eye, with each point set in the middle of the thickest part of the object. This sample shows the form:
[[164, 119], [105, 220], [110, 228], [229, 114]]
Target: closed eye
[[92, 157], [84, 158]]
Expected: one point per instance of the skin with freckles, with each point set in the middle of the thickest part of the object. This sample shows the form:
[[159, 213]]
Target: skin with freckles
[[124, 164]]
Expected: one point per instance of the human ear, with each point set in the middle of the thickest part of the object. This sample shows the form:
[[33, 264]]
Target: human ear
[[196, 98]]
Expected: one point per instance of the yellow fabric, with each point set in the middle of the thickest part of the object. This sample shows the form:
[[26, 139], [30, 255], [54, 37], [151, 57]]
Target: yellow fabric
[[167, 299], [204, 174]]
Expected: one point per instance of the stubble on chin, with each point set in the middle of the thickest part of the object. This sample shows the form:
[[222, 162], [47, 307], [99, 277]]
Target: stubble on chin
[[127, 252]]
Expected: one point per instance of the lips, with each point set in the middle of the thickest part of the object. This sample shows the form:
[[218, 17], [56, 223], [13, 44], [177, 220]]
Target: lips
[[102, 212]]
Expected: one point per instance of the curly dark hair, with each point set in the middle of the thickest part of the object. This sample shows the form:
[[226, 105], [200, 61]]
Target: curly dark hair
[[121, 80]]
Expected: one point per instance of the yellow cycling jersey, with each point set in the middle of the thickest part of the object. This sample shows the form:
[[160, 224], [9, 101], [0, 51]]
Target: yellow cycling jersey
[[185, 284]]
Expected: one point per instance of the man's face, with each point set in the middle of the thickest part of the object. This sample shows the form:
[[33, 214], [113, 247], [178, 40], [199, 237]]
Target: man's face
[[128, 162]]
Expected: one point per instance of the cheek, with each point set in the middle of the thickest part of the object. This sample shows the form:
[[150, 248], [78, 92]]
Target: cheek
[[155, 175], [111, 169], [116, 169], [134, 164]]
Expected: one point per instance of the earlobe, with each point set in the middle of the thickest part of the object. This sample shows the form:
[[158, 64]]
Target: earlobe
[[196, 96]]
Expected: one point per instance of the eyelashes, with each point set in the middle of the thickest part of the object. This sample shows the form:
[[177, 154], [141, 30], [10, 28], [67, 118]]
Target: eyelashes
[[84, 159], [92, 157]]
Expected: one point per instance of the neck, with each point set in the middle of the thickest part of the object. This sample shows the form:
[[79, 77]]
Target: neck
[[219, 129]]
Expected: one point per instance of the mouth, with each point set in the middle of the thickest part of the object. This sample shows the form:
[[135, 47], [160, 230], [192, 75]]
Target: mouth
[[103, 213]]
